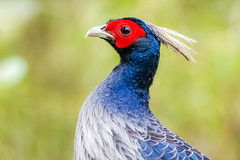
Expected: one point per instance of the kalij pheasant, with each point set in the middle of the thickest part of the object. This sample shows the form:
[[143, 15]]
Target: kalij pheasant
[[115, 121]]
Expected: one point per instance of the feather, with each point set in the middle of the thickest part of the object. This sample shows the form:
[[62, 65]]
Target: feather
[[170, 42]]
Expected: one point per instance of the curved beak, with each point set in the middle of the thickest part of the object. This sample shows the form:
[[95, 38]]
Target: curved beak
[[99, 31]]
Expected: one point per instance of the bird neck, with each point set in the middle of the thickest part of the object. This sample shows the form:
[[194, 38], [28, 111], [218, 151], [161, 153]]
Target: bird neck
[[126, 90], [137, 68], [136, 74]]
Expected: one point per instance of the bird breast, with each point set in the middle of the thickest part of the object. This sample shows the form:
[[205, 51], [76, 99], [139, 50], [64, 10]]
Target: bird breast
[[103, 135]]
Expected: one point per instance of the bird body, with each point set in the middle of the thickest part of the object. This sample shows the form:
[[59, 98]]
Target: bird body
[[115, 121]]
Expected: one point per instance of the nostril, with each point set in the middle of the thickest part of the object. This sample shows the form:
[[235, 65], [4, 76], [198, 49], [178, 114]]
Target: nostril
[[103, 27]]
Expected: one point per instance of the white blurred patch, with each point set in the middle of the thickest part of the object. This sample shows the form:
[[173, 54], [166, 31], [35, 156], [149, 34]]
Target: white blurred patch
[[12, 71]]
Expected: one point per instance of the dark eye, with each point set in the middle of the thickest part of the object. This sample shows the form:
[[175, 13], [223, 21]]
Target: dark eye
[[125, 31]]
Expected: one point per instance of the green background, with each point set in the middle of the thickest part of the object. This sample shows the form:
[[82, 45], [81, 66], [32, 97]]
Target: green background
[[56, 69]]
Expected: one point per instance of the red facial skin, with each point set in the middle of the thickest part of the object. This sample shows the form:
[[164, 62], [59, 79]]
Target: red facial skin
[[123, 41]]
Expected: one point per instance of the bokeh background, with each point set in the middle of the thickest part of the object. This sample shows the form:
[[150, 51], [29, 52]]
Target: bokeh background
[[47, 69]]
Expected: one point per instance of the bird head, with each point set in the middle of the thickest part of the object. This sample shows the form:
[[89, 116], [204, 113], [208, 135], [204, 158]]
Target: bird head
[[132, 35]]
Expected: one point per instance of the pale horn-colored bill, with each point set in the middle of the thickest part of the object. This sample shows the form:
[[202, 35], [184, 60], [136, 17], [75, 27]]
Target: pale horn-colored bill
[[99, 31]]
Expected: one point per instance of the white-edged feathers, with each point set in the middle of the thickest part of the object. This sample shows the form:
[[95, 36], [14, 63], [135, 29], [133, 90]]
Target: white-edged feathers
[[170, 42]]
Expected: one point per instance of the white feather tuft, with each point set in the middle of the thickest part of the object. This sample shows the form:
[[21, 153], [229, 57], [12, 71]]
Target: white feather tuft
[[170, 42]]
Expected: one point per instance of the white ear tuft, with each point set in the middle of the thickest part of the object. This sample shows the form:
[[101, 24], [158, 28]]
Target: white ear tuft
[[171, 42]]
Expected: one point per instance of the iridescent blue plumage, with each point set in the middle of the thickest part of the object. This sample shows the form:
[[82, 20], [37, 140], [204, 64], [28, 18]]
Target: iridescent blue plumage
[[164, 144], [116, 122]]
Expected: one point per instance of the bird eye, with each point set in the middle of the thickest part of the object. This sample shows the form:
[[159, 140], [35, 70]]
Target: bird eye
[[125, 31]]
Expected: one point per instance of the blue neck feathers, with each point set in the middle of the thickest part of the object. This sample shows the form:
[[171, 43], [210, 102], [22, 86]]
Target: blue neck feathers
[[126, 90]]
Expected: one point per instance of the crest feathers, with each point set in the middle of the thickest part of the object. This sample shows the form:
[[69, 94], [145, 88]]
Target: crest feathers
[[164, 35]]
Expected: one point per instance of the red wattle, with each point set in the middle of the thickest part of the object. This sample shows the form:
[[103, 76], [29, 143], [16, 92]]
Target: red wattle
[[121, 41]]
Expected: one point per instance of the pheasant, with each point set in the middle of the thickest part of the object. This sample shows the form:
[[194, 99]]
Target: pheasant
[[115, 121]]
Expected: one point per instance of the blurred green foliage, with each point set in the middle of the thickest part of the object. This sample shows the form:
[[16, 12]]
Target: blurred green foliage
[[38, 112]]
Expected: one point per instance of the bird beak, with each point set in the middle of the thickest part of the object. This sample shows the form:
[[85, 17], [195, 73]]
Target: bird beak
[[99, 31]]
